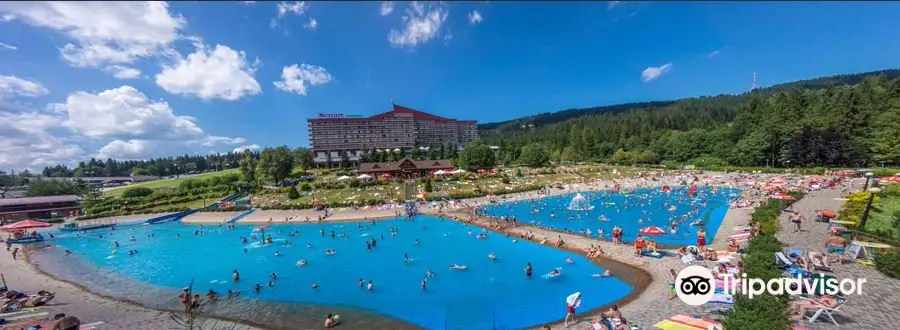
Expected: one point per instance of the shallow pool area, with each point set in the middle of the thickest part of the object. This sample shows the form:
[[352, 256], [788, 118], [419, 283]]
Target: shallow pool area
[[632, 210], [489, 294]]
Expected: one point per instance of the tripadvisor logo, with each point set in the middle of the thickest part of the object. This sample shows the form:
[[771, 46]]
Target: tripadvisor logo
[[695, 285]]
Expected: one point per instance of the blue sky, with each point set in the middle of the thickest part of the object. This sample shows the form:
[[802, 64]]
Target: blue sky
[[136, 80]]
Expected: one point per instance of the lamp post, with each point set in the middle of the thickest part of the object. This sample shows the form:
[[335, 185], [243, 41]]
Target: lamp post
[[869, 176], [865, 215]]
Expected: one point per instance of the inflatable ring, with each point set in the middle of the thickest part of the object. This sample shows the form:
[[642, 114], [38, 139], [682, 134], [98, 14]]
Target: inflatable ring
[[692, 249]]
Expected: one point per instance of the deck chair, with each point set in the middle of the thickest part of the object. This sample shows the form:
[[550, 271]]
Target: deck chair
[[828, 312], [782, 260], [819, 261]]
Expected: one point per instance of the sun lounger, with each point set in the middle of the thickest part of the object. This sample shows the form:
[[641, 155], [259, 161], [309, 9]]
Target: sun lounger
[[721, 298], [783, 260], [819, 261], [791, 252], [826, 311]]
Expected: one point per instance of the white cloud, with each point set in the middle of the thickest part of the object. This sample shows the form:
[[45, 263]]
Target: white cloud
[[8, 46], [475, 17], [714, 53], [420, 24], [103, 33], [312, 24], [7, 17], [125, 113], [612, 4], [248, 2], [212, 141], [124, 72], [296, 8], [241, 149], [11, 86], [220, 73], [651, 73], [387, 7], [26, 143], [296, 79]]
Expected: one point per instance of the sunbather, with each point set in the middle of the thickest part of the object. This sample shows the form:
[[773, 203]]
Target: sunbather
[[799, 307]]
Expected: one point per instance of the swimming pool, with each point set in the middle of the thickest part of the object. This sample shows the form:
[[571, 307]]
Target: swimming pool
[[489, 294], [652, 206]]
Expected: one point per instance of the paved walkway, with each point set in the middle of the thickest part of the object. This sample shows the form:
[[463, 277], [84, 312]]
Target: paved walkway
[[879, 307]]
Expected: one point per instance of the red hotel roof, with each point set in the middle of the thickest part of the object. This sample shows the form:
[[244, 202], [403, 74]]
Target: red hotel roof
[[397, 109]]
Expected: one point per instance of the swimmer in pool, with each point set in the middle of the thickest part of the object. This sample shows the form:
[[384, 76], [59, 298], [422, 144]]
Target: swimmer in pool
[[554, 272], [528, 269], [605, 274], [235, 275], [429, 273], [424, 284], [370, 285], [416, 242], [492, 256], [273, 276], [362, 283], [277, 253], [257, 287], [309, 245], [301, 262], [569, 260]]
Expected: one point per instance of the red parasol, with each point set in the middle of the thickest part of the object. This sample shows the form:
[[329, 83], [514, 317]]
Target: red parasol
[[652, 230], [495, 170], [261, 228], [26, 224], [781, 196]]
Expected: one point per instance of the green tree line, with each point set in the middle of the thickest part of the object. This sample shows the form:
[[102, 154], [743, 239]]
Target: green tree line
[[837, 125]]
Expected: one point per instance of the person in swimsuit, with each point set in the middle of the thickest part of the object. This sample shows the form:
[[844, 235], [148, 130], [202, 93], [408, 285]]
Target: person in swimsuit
[[796, 218]]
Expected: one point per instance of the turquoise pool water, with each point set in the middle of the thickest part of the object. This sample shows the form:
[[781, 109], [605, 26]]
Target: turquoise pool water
[[489, 294], [631, 210]]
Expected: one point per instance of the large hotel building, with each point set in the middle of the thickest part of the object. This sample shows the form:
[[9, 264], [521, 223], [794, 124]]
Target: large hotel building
[[401, 128]]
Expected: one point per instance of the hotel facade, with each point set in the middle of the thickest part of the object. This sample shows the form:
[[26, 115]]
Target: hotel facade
[[402, 128]]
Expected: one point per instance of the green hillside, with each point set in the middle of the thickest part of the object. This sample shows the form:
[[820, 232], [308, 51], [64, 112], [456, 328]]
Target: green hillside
[[830, 121]]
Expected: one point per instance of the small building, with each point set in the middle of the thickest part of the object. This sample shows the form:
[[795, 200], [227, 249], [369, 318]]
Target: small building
[[43, 207], [406, 168]]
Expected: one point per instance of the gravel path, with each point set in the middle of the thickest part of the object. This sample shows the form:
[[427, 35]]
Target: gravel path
[[879, 306]]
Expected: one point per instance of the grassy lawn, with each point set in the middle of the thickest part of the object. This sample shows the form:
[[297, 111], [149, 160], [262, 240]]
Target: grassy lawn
[[167, 183], [883, 218], [394, 190]]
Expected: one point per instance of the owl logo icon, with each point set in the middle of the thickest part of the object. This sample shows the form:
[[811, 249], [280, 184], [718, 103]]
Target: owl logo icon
[[695, 285]]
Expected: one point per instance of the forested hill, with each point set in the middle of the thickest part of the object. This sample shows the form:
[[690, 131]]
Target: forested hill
[[832, 121], [563, 115]]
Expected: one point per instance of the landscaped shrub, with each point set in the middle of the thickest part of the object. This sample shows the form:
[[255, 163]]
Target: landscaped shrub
[[429, 187], [888, 262], [305, 186], [293, 194], [137, 192]]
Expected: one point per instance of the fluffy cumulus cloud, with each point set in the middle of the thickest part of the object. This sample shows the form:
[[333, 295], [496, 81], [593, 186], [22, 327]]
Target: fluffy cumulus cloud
[[217, 73], [12, 86], [252, 147], [651, 73], [298, 78], [387, 7], [475, 17], [124, 72], [296, 8], [103, 34], [26, 143], [125, 113], [421, 23]]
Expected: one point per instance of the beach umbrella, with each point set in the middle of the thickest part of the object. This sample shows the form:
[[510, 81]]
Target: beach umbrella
[[26, 224], [364, 177], [574, 299], [440, 172], [343, 178], [261, 228], [459, 171], [652, 230]]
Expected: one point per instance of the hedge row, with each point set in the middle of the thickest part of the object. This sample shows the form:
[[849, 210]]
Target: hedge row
[[146, 211], [765, 311]]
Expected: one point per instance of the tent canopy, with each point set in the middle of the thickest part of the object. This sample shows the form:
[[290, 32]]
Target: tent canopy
[[652, 230]]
